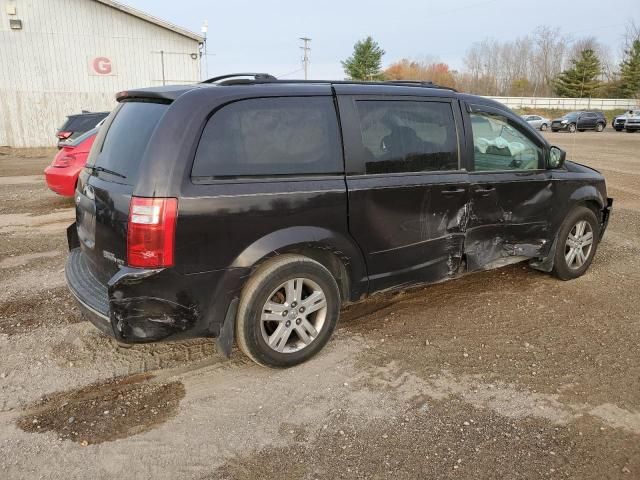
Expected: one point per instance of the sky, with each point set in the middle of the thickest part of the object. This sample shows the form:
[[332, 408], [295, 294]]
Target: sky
[[263, 36]]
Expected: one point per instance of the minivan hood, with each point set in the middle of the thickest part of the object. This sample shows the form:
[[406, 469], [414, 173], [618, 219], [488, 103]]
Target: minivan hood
[[580, 168]]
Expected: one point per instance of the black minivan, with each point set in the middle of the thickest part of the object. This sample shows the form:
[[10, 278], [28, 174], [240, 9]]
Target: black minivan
[[254, 208]]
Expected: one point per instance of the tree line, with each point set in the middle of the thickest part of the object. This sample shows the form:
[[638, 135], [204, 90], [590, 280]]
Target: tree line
[[542, 64]]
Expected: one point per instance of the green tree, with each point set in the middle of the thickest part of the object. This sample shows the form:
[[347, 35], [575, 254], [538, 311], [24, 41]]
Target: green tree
[[630, 72], [365, 63], [581, 80]]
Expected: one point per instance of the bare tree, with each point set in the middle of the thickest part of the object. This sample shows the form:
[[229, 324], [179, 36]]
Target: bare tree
[[529, 65], [548, 59], [631, 34]]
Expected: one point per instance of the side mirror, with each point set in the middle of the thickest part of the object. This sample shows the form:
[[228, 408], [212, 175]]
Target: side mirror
[[556, 159]]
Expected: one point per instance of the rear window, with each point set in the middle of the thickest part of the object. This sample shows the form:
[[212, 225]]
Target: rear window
[[82, 123], [270, 136], [127, 138], [78, 140]]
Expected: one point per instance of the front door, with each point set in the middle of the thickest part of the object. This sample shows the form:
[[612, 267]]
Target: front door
[[511, 191], [407, 191]]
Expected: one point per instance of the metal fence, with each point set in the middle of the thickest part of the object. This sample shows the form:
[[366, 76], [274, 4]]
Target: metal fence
[[569, 103]]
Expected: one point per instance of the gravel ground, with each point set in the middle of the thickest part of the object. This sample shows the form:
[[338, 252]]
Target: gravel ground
[[501, 374]]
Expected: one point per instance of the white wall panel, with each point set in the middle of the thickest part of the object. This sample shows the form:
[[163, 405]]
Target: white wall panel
[[44, 73]]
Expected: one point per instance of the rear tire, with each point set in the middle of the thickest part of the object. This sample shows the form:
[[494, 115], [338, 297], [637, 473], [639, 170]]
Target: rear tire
[[287, 312], [599, 127], [576, 244], [543, 127]]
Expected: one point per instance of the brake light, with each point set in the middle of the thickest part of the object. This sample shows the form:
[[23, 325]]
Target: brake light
[[151, 232], [64, 135], [63, 161]]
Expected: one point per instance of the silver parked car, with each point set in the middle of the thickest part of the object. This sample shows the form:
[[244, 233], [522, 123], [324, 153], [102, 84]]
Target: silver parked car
[[536, 121]]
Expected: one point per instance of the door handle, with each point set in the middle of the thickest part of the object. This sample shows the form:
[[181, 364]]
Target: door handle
[[453, 191], [485, 191]]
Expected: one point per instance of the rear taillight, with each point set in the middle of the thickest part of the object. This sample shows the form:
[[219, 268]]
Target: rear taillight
[[64, 135], [63, 161], [151, 232]]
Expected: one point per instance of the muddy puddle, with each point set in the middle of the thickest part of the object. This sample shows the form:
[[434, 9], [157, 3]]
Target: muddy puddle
[[105, 411]]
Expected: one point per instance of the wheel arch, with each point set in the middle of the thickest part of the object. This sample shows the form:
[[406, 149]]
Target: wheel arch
[[335, 251], [589, 196]]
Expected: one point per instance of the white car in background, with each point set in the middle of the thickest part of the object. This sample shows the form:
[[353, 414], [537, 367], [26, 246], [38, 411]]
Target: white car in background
[[536, 121], [619, 122]]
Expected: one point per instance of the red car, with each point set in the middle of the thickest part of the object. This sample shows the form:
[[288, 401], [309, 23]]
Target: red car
[[63, 172]]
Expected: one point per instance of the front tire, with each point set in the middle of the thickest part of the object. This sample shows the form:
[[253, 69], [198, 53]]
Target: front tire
[[572, 128], [288, 311], [576, 244], [543, 127]]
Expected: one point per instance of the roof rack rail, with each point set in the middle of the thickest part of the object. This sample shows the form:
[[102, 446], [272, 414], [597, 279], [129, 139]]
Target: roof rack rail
[[256, 77], [234, 79], [420, 83]]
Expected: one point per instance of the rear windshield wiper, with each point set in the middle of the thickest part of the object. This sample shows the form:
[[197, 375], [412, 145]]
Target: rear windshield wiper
[[105, 170]]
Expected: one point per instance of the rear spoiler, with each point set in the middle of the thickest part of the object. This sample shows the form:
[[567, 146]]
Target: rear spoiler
[[166, 94]]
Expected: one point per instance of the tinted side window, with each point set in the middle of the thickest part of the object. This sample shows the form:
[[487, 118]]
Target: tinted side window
[[127, 138], [271, 136], [408, 136], [498, 145]]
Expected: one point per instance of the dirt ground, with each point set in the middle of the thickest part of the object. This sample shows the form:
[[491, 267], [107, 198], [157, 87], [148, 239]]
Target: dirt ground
[[504, 374]]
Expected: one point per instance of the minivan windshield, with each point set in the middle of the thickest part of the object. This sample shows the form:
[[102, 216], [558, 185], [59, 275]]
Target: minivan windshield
[[571, 116], [127, 139]]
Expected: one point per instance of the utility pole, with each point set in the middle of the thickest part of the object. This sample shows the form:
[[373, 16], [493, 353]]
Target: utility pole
[[305, 56], [205, 29], [162, 63]]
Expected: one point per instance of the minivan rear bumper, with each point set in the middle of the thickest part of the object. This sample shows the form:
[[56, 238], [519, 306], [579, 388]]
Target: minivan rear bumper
[[92, 295], [140, 305]]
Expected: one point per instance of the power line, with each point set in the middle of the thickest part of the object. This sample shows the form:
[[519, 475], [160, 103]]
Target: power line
[[289, 73], [305, 56]]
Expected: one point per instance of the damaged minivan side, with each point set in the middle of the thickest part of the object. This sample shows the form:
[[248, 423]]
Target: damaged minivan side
[[252, 210]]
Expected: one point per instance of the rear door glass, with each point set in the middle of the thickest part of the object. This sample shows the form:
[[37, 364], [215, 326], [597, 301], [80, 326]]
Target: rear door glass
[[127, 139], [263, 137], [408, 136]]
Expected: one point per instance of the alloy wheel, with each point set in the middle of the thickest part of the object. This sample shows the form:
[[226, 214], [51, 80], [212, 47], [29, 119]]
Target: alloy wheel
[[578, 245], [294, 315]]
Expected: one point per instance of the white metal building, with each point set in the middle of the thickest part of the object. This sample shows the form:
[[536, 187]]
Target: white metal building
[[59, 57]]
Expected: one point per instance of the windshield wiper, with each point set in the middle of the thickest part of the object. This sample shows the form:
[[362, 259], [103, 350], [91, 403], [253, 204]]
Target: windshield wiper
[[105, 170]]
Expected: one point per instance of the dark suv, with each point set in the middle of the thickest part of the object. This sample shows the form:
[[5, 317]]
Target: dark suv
[[255, 208], [580, 121]]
